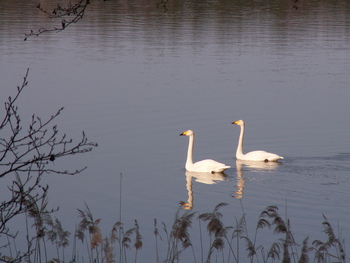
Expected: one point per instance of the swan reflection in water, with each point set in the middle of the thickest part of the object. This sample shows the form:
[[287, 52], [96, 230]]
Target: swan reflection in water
[[204, 178], [244, 166]]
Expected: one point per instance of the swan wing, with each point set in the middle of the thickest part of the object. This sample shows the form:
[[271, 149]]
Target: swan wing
[[208, 166], [261, 156]]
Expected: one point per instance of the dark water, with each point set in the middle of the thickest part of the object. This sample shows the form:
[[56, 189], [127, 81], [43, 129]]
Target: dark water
[[133, 77]]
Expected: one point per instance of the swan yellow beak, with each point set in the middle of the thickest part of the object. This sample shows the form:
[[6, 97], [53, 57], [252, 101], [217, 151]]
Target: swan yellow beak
[[184, 133], [235, 122], [185, 205]]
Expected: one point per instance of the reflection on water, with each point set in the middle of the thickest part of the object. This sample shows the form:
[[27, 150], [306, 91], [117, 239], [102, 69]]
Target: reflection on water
[[204, 178], [242, 167], [257, 166], [250, 166], [240, 183]]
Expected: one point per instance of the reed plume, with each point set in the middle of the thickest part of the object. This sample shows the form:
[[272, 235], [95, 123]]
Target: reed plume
[[268, 218], [138, 239], [304, 257], [179, 234], [58, 236], [40, 214], [217, 229], [215, 225], [90, 225], [156, 235], [274, 251], [323, 249], [116, 236], [85, 223], [108, 251], [95, 232]]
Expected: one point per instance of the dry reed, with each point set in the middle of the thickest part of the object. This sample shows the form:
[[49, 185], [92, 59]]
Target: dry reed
[[122, 244]]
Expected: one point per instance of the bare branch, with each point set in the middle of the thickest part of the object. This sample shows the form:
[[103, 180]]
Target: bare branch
[[39, 145], [75, 11]]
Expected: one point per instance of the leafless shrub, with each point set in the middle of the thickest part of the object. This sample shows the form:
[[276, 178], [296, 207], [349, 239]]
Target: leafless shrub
[[26, 155]]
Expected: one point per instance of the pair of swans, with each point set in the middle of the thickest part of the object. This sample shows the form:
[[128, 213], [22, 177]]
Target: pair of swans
[[211, 166]]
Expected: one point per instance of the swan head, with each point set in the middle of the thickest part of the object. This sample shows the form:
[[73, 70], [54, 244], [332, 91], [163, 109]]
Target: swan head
[[239, 123], [187, 133]]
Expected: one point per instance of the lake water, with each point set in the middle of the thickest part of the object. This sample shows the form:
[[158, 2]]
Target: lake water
[[134, 77]]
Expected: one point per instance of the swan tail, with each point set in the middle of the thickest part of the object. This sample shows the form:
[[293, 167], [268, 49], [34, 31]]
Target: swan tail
[[221, 169]]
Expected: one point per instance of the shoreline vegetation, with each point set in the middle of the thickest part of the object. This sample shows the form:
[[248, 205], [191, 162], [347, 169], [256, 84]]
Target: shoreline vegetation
[[229, 243]]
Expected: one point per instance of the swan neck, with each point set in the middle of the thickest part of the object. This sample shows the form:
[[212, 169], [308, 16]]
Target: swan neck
[[239, 151], [189, 160]]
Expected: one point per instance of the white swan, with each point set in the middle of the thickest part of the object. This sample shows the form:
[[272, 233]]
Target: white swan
[[261, 156], [204, 166]]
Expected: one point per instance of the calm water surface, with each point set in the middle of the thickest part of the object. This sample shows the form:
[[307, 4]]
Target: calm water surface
[[133, 77]]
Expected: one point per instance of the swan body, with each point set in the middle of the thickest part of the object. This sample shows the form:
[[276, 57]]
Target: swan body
[[261, 156], [204, 166]]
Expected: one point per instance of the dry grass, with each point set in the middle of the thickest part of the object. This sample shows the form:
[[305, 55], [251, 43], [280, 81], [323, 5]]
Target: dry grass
[[225, 242]]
